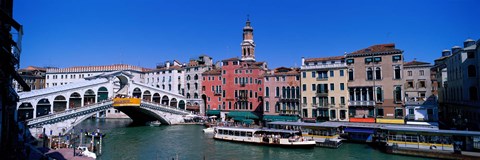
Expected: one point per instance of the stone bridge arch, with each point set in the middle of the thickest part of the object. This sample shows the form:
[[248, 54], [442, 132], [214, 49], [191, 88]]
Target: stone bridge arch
[[43, 107], [59, 103], [75, 100]]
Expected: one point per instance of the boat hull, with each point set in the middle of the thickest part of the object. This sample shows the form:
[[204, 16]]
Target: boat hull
[[291, 145]]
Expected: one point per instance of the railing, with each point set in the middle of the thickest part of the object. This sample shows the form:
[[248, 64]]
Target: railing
[[321, 94], [324, 66], [85, 109], [322, 78], [314, 104], [162, 107], [361, 103]]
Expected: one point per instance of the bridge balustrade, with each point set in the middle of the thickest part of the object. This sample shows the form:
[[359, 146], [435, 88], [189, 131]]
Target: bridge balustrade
[[68, 112], [164, 108]]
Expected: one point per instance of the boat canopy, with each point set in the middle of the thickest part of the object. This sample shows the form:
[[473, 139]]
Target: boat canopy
[[213, 112], [238, 115], [280, 118], [360, 130]]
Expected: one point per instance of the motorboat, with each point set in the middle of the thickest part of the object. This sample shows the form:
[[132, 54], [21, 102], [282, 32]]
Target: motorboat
[[155, 123], [209, 130], [84, 151]]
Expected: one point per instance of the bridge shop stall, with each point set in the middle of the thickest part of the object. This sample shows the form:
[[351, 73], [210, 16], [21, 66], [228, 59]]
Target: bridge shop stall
[[431, 142], [325, 135]]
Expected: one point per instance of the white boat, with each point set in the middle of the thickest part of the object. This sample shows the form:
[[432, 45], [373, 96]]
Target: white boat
[[85, 152], [155, 123], [272, 137], [208, 130]]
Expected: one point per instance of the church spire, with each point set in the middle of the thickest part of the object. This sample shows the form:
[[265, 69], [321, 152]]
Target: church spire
[[248, 45]]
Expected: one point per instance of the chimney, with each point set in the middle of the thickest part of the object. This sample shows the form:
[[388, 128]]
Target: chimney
[[303, 61], [446, 52], [468, 43], [456, 49], [167, 64]]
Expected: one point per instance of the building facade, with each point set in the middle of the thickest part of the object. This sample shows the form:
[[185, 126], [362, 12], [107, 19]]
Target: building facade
[[324, 88], [375, 84], [282, 92], [168, 76], [460, 97], [193, 82], [420, 103], [212, 89], [33, 76], [62, 76]]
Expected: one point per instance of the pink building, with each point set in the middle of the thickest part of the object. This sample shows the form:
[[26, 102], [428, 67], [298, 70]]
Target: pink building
[[282, 94], [212, 89]]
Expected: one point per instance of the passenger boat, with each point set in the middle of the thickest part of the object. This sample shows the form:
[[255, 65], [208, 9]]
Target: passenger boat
[[272, 137], [84, 151]]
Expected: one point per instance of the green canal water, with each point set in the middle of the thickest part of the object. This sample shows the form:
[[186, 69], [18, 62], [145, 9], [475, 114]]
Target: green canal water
[[124, 141]]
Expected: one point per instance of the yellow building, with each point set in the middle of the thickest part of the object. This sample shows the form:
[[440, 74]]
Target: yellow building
[[324, 89]]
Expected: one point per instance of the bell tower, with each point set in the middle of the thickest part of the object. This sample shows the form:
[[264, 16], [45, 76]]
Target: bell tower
[[248, 45]]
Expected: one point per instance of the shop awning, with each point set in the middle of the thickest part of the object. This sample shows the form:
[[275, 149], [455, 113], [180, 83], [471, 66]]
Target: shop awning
[[247, 121], [272, 118], [242, 115], [213, 112], [360, 130]]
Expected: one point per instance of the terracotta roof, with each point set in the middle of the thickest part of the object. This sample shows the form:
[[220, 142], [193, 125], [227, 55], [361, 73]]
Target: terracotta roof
[[379, 48], [284, 71], [324, 59], [213, 72], [415, 63], [167, 69]]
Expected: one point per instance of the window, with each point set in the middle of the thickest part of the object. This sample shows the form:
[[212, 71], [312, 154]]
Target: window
[[332, 86], [472, 71], [304, 74], [332, 100], [350, 61], [304, 87], [473, 93], [411, 111], [225, 63], [378, 73], [380, 112], [267, 106], [277, 92], [313, 87], [267, 90], [422, 72], [396, 58], [313, 74], [331, 73], [342, 100], [224, 71], [368, 60], [350, 74], [398, 94], [410, 84], [470, 55], [397, 72], [341, 73], [369, 74], [377, 59], [398, 113], [422, 84], [342, 86], [379, 94]]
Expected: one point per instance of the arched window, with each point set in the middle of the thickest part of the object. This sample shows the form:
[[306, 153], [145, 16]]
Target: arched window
[[369, 74], [188, 95], [378, 73], [188, 77], [293, 92], [283, 92], [350, 74], [473, 93], [267, 106], [398, 94], [188, 86], [472, 71], [196, 86], [397, 72], [267, 92], [195, 77], [379, 94], [288, 92], [195, 95], [277, 92]]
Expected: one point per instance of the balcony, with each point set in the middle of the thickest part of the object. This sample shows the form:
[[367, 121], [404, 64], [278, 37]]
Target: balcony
[[217, 93], [321, 94], [361, 103], [314, 105], [242, 98], [342, 106], [242, 84], [322, 78]]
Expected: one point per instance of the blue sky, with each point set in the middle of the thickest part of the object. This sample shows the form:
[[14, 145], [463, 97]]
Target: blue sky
[[64, 33]]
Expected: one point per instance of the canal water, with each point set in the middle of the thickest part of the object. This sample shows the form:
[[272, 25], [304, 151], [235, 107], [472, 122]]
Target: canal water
[[187, 142]]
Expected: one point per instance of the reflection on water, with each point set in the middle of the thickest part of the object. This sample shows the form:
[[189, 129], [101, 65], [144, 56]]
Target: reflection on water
[[125, 141]]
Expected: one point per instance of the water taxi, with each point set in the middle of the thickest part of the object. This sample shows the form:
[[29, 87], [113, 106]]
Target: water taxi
[[325, 135], [272, 137]]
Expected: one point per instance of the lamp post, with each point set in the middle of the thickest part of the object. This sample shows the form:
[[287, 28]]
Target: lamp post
[[73, 140]]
